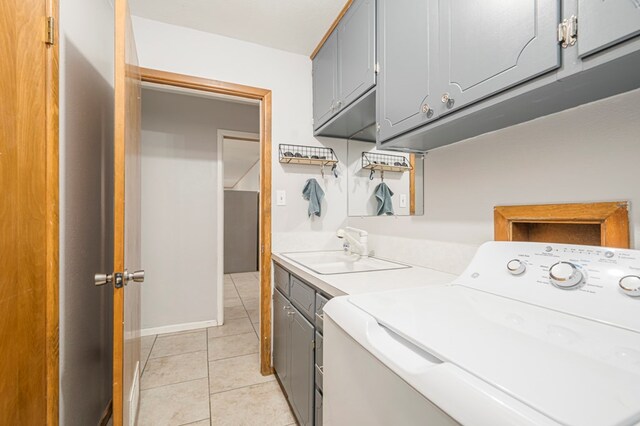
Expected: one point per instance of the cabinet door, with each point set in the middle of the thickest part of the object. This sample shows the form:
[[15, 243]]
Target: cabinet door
[[281, 344], [489, 46], [604, 23], [301, 368], [407, 53], [356, 52], [325, 81]]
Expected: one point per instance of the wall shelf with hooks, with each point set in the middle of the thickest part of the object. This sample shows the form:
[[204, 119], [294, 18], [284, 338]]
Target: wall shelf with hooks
[[385, 162], [310, 155]]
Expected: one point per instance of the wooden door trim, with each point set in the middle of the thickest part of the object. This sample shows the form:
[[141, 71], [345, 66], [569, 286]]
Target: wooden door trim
[[613, 218], [331, 28], [264, 96], [52, 244]]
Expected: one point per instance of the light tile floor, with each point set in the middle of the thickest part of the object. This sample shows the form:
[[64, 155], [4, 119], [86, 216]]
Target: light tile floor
[[211, 376]]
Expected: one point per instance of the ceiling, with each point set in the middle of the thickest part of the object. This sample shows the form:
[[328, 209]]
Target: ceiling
[[239, 157], [293, 25]]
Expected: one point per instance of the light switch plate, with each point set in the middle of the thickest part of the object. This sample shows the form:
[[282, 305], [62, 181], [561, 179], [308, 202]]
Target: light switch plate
[[403, 200], [281, 198]]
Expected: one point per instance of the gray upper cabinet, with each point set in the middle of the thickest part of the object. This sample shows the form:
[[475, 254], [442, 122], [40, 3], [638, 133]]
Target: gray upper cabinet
[[344, 68], [356, 52], [407, 54], [604, 23], [325, 81], [281, 331], [487, 47], [301, 368]]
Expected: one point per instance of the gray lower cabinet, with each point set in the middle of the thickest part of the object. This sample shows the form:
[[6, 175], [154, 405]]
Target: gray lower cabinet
[[344, 68], [487, 47], [407, 46], [281, 337], [301, 368], [603, 24], [297, 344]]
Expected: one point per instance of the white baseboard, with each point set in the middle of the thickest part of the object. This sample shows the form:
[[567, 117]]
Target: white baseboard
[[178, 327]]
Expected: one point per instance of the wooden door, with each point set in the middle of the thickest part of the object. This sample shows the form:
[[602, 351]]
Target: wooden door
[[325, 81], [488, 46], [28, 216], [407, 53], [356, 52], [605, 23], [127, 188]]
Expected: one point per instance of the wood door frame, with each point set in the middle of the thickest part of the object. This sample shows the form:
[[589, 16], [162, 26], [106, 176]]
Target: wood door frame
[[264, 96], [52, 217], [222, 135]]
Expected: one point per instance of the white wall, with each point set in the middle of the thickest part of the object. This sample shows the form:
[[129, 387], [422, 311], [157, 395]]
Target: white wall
[[86, 219], [179, 210], [250, 181], [288, 76], [586, 154]]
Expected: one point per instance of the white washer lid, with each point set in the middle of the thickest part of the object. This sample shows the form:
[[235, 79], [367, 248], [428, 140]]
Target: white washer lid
[[575, 371]]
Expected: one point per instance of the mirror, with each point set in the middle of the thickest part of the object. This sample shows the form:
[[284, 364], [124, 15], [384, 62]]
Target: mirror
[[402, 173]]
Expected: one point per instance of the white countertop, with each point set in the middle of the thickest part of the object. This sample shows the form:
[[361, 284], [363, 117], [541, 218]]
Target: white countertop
[[366, 282]]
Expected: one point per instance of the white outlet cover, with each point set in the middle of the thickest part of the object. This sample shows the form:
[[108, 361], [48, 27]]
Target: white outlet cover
[[403, 200], [281, 198]]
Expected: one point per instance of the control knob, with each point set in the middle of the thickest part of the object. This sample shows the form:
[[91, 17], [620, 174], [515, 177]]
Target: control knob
[[565, 275], [630, 284], [516, 267]]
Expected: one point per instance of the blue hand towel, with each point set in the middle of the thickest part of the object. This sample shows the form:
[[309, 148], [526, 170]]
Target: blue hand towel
[[383, 195], [314, 194]]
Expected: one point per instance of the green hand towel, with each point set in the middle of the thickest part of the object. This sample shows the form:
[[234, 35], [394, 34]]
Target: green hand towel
[[314, 194], [383, 195]]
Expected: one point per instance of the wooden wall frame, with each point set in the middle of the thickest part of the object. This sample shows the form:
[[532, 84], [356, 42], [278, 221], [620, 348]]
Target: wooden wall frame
[[264, 96], [583, 223]]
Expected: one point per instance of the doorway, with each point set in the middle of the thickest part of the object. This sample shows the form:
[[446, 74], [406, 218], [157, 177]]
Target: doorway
[[263, 96]]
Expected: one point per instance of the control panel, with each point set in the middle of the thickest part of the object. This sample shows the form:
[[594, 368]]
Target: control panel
[[598, 283]]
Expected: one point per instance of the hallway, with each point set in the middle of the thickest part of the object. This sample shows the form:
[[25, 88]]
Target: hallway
[[211, 376]]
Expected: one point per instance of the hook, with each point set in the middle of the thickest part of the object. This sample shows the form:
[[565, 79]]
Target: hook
[[382, 175], [322, 170], [334, 169], [371, 174]]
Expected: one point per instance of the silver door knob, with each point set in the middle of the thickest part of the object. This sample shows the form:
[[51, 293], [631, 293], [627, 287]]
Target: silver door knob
[[137, 276], [102, 279]]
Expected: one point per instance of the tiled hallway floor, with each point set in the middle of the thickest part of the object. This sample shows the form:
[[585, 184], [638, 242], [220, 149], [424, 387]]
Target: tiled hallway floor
[[211, 376]]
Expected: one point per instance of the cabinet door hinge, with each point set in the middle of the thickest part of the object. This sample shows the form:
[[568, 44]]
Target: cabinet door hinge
[[50, 31], [568, 31], [376, 67]]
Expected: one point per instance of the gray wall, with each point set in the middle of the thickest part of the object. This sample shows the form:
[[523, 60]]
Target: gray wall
[[179, 206], [240, 231], [86, 237]]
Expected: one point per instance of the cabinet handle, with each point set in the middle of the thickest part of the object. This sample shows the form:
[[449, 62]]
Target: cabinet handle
[[447, 99], [291, 313], [426, 109], [338, 104], [320, 316]]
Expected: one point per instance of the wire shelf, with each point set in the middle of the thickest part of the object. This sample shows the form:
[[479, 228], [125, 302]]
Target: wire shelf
[[301, 154], [385, 162]]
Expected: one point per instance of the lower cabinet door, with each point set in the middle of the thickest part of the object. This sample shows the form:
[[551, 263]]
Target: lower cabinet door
[[301, 368], [318, 408], [281, 331]]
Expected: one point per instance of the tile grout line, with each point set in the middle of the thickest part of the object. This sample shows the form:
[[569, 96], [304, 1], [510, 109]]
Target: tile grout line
[[172, 384], [181, 353], [241, 387]]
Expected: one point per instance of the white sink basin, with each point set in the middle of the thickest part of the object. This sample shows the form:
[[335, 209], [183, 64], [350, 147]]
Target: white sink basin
[[338, 262]]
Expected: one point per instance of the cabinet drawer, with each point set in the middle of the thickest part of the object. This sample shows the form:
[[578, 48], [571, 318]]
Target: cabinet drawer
[[319, 317], [303, 297], [281, 279], [319, 367]]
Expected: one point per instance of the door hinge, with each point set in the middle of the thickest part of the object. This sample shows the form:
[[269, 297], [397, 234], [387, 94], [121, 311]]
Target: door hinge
[[262, 248], [568, 31], [376, 68], [50, 30]]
